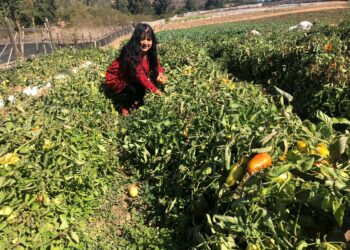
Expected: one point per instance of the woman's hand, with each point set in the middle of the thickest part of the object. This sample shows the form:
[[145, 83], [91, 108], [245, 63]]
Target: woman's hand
[[158, 92], [161, 78]]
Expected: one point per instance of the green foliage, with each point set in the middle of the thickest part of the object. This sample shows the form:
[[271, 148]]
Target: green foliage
[[289, 61], [212, 4], [121, 5], [185, 144], [11, 9], [44, 9], [59, 144], [161, 6], [312, 68], [190, 5], [139, 6]]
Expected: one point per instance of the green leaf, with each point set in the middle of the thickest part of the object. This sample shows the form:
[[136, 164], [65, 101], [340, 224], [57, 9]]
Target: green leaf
[[340, 120], [326, 131], [330, 246], [228, 155], [328, 172], [166, 123], [3, 225], [338, 211], [327, 203], [269, 223], [323, 117], [20, 108], [309, 126], [6, 211], [342, 183], [171, 206], [102, 148], [210, 224], [338, 147], [267, 138], [64, 222], [307, 165], [339, 214], [25, 150], [229, 219], [278, 170], [302, 245], [262, 150], [74, 236]]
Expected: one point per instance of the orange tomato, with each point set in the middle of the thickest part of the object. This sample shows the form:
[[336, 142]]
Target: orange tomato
[[40, 198], [302, 146], [259, 162], [328, 47]]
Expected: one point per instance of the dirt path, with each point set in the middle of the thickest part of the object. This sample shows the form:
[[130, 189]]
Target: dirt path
[[234, 17]]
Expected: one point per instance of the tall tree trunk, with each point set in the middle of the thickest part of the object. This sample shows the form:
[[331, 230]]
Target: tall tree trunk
[[21, 38]]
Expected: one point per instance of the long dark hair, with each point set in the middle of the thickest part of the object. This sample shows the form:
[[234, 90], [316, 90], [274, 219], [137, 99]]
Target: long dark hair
[[130, 55]]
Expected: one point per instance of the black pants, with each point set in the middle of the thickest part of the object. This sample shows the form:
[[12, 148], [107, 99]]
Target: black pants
[[133, 93]]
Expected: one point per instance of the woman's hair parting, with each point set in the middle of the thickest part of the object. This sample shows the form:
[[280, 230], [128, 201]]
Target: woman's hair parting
[[130, 55]]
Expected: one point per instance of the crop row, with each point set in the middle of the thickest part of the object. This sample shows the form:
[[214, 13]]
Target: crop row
[[57, 151], [186, 144], [313, 67]]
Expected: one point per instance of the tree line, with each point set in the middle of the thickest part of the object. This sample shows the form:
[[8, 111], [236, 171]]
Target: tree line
[[34, 12]]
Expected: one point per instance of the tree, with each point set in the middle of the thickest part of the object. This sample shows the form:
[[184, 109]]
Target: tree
[[121, 5], [11, 9], [139, 6], [190, 5], [44, 9], [212, 4], [161, 6]]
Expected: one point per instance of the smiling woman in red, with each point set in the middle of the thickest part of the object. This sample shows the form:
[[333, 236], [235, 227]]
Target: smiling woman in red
[[136, 69]]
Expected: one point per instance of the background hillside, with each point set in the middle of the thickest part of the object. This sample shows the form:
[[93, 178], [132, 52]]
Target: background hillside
[[95, 13]]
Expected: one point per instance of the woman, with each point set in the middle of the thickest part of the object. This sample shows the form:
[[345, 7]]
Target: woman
[[136, 69]]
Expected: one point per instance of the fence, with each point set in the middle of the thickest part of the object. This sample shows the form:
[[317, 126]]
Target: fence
[[29, 42]]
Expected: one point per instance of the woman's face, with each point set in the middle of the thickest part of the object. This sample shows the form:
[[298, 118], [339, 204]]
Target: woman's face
[[145, 43]]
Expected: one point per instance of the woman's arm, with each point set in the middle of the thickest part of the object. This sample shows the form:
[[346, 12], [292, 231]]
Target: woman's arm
[[142, 78]]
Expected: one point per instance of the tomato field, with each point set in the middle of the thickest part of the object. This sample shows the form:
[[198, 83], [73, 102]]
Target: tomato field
[[247, 149]]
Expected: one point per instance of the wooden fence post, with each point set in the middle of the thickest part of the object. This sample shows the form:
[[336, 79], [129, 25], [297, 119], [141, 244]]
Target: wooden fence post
[[36, 42], [12, 38], [48, 26], [43, 41], [58, 38], [21, 40], [9, 59]]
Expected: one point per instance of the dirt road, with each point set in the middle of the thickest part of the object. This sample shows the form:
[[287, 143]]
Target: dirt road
[[235, 17]]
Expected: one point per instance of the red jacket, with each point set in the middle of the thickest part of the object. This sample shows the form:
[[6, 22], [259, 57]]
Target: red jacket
[[117, 80]]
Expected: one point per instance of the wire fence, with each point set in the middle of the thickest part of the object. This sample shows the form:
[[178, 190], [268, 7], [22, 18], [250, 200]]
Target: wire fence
[[30, 42]]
